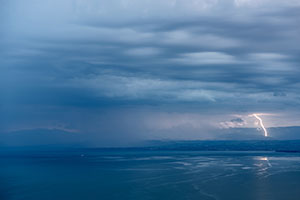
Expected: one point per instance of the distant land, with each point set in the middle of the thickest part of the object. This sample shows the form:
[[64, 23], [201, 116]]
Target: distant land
[[227, 145], [234, 139], [277, 133]]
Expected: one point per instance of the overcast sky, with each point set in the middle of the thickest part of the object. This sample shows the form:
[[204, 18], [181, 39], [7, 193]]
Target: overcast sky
[[130, 70]]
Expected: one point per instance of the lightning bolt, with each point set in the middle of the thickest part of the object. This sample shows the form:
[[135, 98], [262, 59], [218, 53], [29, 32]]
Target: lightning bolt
[[261, 124]]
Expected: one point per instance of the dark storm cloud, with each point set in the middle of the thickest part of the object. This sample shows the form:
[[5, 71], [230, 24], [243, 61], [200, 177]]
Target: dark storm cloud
[[220, 57], [238, 120]]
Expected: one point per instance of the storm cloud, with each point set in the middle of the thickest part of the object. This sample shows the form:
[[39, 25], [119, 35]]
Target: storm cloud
[[127, 70]]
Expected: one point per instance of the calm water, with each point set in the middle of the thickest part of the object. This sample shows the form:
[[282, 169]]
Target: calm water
[[149, 175]]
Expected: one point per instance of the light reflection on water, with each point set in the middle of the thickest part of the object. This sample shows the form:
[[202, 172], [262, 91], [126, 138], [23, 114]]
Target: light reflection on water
[[151, 175]]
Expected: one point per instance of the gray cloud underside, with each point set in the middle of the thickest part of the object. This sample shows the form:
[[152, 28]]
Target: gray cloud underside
[[226, 55]]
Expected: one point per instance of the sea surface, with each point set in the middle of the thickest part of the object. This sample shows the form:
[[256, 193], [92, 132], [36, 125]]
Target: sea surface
[[142, 175]]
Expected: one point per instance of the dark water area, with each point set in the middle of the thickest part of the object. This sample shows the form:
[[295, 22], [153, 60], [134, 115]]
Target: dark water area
[[115, 175]]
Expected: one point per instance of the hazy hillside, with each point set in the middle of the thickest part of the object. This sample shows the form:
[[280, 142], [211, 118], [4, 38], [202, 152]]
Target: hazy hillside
[[55, 137]]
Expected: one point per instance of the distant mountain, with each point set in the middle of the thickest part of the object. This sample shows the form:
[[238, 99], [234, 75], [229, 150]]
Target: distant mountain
[[40, 137], [285, 133], [278, 133], [226, 145], [239, 139], [246, 139]]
